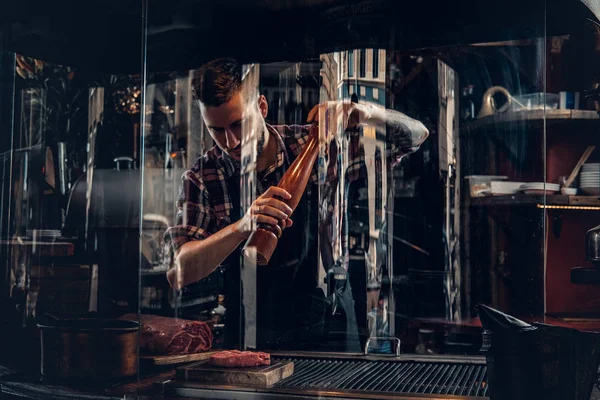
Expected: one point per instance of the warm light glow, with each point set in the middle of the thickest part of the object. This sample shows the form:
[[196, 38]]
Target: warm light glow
[[584, 208]]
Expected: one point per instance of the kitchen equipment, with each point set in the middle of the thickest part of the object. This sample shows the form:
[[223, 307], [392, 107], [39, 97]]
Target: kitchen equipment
[[488, 106], [530, 101], [539, 188], [589, 179], [504, 187], [481, 185], [589, 275], [509, 346], [528, 361], [89, 348], [586, 154], [535, 101], [262, 376], [264, 239], [569, 100], [567, 191], [176, 359], [592, 245], [345, 376]]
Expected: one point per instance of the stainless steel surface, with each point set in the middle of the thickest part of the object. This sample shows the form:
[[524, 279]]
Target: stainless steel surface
[[371, 357], [405, 377], [62, 166], [360, 377], [192, 390], [388, 339], [592, 245]]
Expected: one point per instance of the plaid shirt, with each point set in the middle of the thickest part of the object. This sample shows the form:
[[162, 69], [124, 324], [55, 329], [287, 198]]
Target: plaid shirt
[[204, 203]]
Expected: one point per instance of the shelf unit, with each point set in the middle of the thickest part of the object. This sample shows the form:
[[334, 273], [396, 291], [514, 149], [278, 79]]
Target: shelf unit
[[532, 200], [533, 117], [529, 236]]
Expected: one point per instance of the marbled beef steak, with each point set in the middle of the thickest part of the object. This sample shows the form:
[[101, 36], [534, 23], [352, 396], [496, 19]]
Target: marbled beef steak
[[172, 336], [236, 358]]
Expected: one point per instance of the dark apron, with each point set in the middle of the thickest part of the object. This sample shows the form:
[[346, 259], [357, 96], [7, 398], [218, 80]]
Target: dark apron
[[291, 308]]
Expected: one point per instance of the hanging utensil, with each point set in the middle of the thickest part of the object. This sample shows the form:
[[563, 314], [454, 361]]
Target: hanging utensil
[[586, 154]]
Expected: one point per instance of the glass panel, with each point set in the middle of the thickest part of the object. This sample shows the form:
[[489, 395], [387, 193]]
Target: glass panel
[[396, 236], [69, 223], [358, 181], [572, 162]]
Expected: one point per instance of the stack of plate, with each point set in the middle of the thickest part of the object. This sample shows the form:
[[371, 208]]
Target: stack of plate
[[589, 179], [539, 187]]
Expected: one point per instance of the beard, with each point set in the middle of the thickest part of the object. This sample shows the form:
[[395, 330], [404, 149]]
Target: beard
[[261, 141], [260, 145]]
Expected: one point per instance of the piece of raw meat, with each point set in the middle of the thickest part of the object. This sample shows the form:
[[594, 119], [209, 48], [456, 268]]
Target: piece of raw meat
[[236, 358], [171, 336]]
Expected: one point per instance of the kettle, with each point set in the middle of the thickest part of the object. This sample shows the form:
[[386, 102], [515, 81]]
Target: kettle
[[592, 245], [488, 106], [589, 275]]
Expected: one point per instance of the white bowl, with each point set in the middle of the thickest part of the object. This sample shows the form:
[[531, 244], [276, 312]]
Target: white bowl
[[568, 191]]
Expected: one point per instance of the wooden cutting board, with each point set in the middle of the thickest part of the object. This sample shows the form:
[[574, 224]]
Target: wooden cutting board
[[263, 376], [176, 359]]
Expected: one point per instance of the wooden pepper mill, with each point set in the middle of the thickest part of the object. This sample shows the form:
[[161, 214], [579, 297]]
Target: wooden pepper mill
[[294, 181]]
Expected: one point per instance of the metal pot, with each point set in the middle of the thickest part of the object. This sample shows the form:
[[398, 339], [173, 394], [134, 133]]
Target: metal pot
[[592, 245], [89, 348]]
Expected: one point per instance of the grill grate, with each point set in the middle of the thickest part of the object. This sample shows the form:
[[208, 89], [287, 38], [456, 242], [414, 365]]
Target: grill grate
[[460, 379]]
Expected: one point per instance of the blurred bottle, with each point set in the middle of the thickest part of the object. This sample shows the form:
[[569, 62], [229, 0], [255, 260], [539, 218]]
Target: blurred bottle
[[467, 103]]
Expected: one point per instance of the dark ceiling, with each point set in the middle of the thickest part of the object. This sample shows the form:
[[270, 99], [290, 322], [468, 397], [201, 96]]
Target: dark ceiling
[[181, 34]]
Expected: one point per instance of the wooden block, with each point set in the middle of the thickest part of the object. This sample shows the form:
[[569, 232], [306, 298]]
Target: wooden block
[[263, 376], [584, 201], [177, 359]]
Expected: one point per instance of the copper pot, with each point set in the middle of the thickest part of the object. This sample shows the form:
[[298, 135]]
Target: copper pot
[[89, 348]]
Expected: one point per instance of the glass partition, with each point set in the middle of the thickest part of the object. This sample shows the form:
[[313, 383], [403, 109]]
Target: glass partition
[[70, 220], [341, 198], [410, 209]]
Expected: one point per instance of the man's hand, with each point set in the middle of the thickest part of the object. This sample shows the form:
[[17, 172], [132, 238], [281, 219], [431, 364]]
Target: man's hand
[[268, 209], [337, 116]]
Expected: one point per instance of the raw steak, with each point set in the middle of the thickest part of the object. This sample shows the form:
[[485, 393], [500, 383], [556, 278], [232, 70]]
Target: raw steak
[[171, 336], [236, 358]]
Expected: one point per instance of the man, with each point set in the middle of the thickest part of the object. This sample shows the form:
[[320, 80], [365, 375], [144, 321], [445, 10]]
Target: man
[[211, 228]]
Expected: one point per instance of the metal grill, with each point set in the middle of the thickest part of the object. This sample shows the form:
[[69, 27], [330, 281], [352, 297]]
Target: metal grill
[[460, 379]]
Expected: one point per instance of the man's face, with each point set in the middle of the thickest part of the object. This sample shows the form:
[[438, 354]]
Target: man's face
[[225, 122]]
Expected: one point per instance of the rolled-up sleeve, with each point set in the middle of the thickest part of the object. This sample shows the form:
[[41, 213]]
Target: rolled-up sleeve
[[194, 218], [402, 139]]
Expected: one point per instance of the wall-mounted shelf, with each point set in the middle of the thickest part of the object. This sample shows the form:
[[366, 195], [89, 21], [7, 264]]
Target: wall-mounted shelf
[[534, 117], [534, 200], [154, 272]]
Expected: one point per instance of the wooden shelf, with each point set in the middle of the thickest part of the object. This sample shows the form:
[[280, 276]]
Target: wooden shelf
[[534, 117], [42, 249], [153, 272], [529, 200]]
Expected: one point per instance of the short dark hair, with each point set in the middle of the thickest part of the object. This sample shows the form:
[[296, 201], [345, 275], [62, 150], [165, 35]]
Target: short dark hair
[[217, 81]]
